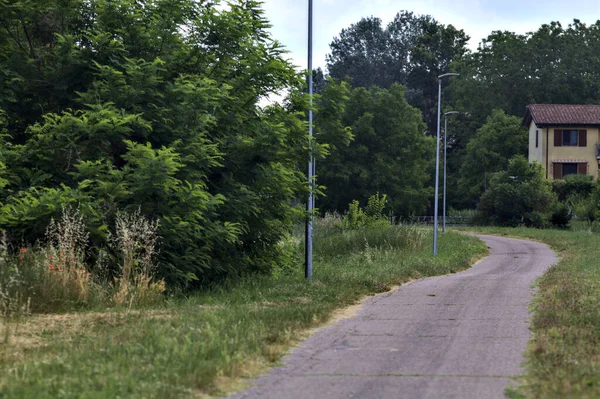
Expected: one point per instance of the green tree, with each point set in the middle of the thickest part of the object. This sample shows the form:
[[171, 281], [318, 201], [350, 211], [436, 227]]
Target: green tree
[[362, 54], [153, 104], [412, 50], [500, 139], [509, 71], [389, 154]]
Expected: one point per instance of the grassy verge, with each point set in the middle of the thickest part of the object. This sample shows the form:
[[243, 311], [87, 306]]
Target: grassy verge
[[205, 345], [563, 357]]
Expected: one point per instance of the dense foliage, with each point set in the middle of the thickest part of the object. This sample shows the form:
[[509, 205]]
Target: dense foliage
[[412, 50], [389, 154], [550, 65], [154, 105], [573, 186], [519, 195], [488, 152], [506, 72], [120, 105]]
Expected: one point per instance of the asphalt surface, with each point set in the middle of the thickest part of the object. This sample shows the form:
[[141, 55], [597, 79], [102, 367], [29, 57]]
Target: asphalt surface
[[457, 336]]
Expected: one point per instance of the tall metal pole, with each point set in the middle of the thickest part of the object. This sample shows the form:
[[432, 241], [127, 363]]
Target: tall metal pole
[[445, 148], [437, 170], [437, 164], [309, 204], [445, 164], [314, 197]]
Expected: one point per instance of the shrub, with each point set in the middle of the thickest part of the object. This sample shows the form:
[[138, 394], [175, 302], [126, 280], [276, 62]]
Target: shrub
[[584, 207], [537, 220], [561, 216], [520, 195], [573, 185], [371, 216]]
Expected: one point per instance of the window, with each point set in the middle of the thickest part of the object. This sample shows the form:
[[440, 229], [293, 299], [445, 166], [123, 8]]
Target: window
[[570, 138], [562, 169], [537, 133], [569, 169]]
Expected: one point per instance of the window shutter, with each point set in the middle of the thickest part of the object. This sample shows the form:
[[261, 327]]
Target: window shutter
[[557, 137], [557, 170], [583, 138], [582, 167]]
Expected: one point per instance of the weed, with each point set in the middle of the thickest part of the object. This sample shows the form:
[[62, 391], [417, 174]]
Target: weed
[[54, 276], [14, 304], [135, 239]]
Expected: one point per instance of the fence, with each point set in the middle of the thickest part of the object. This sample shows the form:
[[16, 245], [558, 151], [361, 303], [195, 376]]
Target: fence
[[450, 220]]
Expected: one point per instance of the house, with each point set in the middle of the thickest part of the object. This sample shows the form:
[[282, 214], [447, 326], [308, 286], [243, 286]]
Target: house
[[564, 138]]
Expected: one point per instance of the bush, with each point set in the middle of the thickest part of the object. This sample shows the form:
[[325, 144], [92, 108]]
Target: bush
[[537, 220], [371, 216], [561, 216], [573, 185], [584, 207], [519, 196]]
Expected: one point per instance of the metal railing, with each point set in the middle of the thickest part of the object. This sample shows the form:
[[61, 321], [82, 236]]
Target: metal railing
[[450, 220]]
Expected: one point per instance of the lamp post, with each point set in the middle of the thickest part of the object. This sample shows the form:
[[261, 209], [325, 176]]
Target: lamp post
[[310, 203], [437, 163], [445, 151]]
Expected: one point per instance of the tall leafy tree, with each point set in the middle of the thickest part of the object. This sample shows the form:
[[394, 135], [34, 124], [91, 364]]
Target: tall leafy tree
[[495, 143], [411, 50], [508, 71], [553, 64], [389, 154], [362, 54], [434, 50], [153, 104]]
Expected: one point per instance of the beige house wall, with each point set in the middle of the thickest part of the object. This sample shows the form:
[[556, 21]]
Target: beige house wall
[[568, 153], [535, 153]]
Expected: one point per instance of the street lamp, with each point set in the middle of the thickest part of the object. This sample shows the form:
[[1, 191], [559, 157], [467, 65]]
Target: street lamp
[[311, 165], [445, 150], [437, 163]]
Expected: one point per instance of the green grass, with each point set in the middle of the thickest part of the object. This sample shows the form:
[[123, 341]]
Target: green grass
[[563, 356], [206, 344]]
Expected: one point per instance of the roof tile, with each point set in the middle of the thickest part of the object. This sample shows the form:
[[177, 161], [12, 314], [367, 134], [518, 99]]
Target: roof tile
[[565, 114]]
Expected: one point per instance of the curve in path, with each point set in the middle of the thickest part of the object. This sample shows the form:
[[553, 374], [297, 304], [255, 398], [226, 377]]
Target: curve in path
[[456, 336]]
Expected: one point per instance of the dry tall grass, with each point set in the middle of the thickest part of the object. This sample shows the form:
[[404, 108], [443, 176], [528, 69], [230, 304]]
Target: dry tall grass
[[135, 239], [57, 276]]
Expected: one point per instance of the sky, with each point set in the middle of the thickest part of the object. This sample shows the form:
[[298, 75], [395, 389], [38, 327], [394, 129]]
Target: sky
[[478, 18]]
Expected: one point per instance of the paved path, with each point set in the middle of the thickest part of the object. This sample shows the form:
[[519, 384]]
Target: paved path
[[458, 336]]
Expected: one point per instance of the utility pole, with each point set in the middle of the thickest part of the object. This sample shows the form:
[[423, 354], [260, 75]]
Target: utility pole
[[437, 164], [310, 203]]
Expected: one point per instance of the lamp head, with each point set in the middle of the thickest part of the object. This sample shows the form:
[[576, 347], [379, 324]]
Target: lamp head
[[447, 74]]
